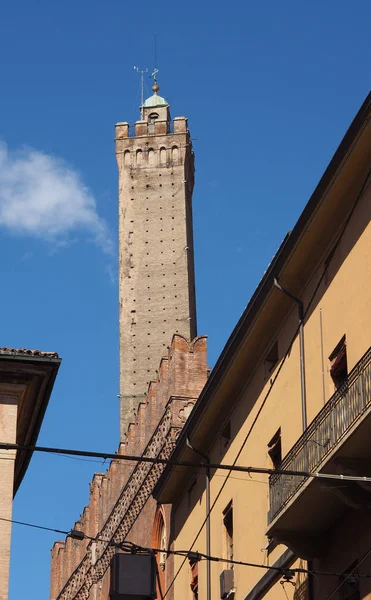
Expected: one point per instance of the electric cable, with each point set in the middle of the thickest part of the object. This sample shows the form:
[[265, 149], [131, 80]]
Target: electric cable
[[184, 463], [359, 195], [34, 526], [132, 548]]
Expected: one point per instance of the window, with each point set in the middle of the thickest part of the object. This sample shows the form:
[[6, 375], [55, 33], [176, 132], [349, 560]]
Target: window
[[327, 265], [271, 359], [338, 363], [226, 435], [162, 156], [194, 578], [349, 585], [228, 524], [159, 540], [275, 449], [152, 118], [191, 492]]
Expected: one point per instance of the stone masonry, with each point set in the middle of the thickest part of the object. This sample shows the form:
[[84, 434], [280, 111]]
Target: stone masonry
[[156, 271], [120, 505]]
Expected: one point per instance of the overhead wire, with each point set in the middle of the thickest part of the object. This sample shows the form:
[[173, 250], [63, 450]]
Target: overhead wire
[[131, 547], [183, 463], [34, 526]]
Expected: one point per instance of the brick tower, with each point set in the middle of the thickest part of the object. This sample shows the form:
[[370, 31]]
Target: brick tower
[[156, 269]]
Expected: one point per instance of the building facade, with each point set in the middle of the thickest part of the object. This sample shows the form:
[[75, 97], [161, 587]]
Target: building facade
[[163, 364], [292, 391], [26, 382]]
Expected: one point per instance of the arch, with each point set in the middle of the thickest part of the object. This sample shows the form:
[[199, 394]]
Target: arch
[[159, 540], [151, 157], [175, 154], [139, 158], [152, 117], [162, 156], [127, 158]]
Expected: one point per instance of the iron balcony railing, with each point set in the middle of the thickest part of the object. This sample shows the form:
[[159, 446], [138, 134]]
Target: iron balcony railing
[[326, 431]]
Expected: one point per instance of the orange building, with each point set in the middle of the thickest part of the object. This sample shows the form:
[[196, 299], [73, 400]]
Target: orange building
[[291, 390]]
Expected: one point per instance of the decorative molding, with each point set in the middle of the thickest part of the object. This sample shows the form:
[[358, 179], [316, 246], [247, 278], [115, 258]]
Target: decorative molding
[[129, 504]]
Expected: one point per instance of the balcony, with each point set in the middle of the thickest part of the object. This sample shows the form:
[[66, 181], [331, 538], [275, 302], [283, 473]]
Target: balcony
[[337, 441]]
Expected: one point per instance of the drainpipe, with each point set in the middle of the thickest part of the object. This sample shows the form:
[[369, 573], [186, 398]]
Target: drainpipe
[[208, 535], [301, 345], [310, 580], [303, 394]]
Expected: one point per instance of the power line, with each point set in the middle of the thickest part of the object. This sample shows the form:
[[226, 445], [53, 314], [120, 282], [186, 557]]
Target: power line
[[186, 463], [133, 548], [35, 526]]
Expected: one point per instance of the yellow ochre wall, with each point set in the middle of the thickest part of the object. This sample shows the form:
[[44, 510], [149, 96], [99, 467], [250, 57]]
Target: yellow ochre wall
[[344, 299]]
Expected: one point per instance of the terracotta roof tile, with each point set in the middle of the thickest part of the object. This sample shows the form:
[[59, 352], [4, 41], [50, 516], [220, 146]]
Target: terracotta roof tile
[[26, 352]]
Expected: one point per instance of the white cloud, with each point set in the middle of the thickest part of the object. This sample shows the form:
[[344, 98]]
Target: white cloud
[[43, 197]]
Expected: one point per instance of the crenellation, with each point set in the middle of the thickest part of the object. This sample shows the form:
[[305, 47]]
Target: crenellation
[[179, 379]]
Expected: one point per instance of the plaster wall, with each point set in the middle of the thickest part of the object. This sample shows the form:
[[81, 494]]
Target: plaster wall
[[344, 299], [8, 427]]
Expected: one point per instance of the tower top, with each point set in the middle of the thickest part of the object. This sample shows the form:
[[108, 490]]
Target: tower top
[[155, 99]]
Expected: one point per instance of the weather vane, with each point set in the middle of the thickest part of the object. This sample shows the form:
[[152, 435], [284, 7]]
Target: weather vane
[[155, 70]]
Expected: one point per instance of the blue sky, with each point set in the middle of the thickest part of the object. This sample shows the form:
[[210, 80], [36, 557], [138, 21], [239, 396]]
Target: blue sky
[[269, 89]]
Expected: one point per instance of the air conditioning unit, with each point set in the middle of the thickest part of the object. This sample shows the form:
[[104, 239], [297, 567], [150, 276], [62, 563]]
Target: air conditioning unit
[[226, 583], [133, 577]]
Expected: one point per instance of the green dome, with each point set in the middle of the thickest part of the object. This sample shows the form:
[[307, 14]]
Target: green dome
[[154, 100]]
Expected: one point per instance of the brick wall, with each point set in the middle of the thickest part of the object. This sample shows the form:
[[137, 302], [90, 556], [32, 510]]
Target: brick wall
[[156, 271], [181, 375]]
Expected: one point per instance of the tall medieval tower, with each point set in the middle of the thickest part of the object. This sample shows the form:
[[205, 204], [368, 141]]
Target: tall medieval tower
[[156, 267]]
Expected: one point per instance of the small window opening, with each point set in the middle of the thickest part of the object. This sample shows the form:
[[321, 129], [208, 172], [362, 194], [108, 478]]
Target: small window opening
[[339, 363], [271, 359], [228, 524], [191, 492], [327, 264], [193, 563], [152, 117], [226, 435], [275, 449]]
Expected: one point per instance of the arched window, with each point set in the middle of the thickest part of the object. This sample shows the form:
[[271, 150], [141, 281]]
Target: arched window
[[175, 155], [162, 156], [139, 158], [127, 158], [151, 158], [152, 118], [159, 540]]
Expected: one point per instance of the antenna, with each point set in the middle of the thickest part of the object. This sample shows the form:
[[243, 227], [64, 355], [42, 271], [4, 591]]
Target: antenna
[[141, 71], [155, 50]]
